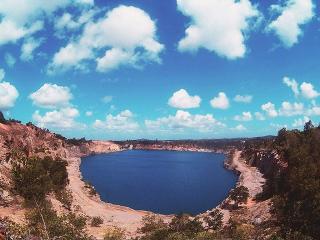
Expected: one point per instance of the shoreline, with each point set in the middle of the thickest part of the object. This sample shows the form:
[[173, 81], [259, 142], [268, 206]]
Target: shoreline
[[130, 219]]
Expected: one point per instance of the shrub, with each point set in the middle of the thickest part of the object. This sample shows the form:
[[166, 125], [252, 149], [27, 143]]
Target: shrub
[[152, 223], [96, 221], [114, 234], [44, 222], [33, 178], [214, 219], [239, 195], [65, 197]]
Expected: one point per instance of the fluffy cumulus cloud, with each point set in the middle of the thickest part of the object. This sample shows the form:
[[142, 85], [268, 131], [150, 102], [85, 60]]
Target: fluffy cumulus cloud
[[64, 118], [243, 98], [24, 18], [51, 96], [8, 95], [245, 116], [270, 109], [218, 26], [184, 120], [221, 101], [106, 41], [308, 91], [291, 109], [182, 99], [292, 16], [305, 90], [122, 122]]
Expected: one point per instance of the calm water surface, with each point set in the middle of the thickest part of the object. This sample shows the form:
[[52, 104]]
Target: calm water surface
[[164, 182]]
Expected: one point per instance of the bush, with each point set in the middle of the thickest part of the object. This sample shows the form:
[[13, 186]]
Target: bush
[[152, 223], [214, 219], [65, 197], [239, 195], [33, 178], [44, 222], [114, 234], [96, 221]]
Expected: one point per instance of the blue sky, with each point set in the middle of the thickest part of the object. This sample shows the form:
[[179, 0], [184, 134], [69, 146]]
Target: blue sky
[[167, 69]]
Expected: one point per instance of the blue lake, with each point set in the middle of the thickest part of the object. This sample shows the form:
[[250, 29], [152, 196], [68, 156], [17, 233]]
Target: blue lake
[[164, 182]]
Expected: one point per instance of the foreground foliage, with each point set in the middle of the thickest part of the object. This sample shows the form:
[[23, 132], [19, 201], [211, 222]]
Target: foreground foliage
[[33, 178]]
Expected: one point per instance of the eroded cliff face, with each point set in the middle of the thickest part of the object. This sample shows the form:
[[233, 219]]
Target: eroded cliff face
[[28, 140]]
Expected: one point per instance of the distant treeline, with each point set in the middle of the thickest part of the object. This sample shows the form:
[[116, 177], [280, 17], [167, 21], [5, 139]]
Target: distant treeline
[[238, 143]]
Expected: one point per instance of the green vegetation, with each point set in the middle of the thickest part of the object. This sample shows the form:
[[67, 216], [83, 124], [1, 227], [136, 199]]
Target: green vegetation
[[44, 222], [297, 188], [239, 195], [114, 234], [214, 220], [33, 178], [182, 227], [96, 221]]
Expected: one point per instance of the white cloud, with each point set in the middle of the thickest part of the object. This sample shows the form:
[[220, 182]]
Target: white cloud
[[9, 32], [8, 95], [182, 99], [107, 99], [239, 128], [218, 26], [89, 113], [123, 122], [292, 83], [293, 14], [110, 33], [259, 116], [2, 74], [245, 116], [114, 58], [23, 18], [291, 109], [308, 91], [243, 98], [221, 101], [314, 110], [28, 48], [183, 120], [58, 119], [67, 22], [9, 59], [51, 96], [300, 122], [269, 108]]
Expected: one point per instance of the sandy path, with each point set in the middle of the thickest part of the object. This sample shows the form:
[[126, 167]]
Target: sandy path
[[250, 177]]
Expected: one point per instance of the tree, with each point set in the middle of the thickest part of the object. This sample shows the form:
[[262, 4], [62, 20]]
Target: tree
[[214, 220], [2, 119], [239, 195], [34, 178]]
